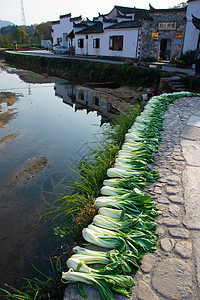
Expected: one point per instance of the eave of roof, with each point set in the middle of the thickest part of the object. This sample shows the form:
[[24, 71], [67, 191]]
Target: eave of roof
[[124, 24], [105, 20], [55, 22], [196, 22], [96, 28], [125, 10], [79, 18], [65, 16], [155, 10]]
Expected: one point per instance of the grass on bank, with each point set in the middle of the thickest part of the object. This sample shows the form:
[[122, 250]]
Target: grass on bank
[[77, 206]]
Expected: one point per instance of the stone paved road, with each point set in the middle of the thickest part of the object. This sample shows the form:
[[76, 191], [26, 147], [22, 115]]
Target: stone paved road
[[173, 271]]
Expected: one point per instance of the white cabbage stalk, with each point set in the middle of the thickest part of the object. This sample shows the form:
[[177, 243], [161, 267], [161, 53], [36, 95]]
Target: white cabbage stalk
[[106, 202], [90, 256], [120, 173], [111, 182], [126, 151], [71, 275], [97, 238], [102, 231], [113, 191], [107, 222], [110, 212], [74, 263], [125, 166]]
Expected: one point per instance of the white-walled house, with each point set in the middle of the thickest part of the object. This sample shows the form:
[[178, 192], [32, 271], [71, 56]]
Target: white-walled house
[[131, 32], [113, 40], [62, 30], [191, 41]]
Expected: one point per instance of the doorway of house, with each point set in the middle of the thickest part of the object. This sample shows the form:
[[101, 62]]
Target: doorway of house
[[165, 49]]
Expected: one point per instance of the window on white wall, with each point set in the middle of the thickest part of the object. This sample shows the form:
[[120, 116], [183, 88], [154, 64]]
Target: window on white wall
[[96, 43], [59, 40], [116, 42], [80, 43]]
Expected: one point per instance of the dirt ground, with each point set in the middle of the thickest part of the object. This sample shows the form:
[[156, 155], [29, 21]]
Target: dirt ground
[[34, 166], [122, 98], [9, 99]]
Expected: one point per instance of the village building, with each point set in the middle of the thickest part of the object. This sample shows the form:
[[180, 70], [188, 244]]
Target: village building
[[62, 30], [192, 34], [138, 34], [162, 34]]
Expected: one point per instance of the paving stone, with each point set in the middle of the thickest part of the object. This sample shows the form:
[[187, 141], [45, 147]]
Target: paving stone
[[144, 292], [172, 278], [191, 152], [157, 190], [163, 200], [191, 182], [169, 221], [71, 292], [148, 262], [196, 244], [175, 210], [194, 121], [146, 278], [191, 133], [179, 233], [176, 199], [172, 190], [184, 249], [176, 171], [167, 244], [160, 231]]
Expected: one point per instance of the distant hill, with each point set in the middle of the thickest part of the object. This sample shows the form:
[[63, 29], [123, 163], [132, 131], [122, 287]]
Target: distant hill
[[5, 23]]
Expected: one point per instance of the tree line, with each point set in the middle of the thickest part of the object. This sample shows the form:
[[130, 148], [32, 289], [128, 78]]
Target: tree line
[[12, 35]]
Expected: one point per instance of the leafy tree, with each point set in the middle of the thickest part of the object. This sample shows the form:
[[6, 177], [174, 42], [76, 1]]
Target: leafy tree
[[21, 36], [43, 31]]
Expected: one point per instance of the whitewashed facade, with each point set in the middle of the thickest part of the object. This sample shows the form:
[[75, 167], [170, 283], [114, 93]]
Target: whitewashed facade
[[125, 41], [61, 29], [191, 34]]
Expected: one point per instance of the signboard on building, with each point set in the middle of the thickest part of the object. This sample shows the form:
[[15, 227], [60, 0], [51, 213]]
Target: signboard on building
[[167, 26], [178, 35], [154, 35]]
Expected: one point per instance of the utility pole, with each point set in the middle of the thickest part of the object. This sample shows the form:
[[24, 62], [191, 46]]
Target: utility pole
[[23, 21]]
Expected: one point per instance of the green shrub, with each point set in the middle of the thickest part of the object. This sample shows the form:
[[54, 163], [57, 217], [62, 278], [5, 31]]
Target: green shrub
[[188, 57]]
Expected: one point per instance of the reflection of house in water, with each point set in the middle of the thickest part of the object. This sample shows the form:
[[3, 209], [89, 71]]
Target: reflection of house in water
[[81, 98]]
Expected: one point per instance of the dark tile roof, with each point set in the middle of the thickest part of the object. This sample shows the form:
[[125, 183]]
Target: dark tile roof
[[155, 10], [71, 34], [123, 16], [124, 24], [55, 22], [65, 16], [106, 20], [76, 19], [196, 22], [96, 28], [81, 24], [125, 10]]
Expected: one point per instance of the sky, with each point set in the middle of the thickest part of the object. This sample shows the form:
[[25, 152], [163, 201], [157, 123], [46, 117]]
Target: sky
[[38, 11]]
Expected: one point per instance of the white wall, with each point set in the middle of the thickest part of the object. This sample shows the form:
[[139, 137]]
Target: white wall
[[191, 34], [129, 43], [61, 30]]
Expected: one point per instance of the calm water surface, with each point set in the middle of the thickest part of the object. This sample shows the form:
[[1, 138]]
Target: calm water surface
[[57, 121]]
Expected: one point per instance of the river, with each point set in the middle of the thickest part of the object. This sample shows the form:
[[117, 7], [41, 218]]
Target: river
[[51, 123]]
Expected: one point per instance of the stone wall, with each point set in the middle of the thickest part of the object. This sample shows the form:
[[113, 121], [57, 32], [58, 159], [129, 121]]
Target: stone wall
[[151, 34]]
